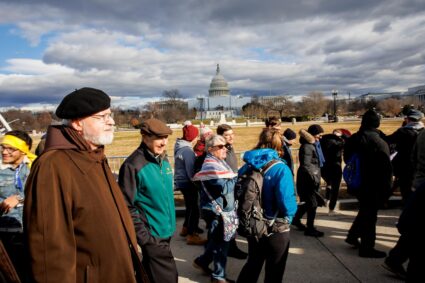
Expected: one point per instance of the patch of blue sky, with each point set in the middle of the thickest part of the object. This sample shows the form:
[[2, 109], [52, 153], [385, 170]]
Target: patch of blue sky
[[264, 55], [13, 45]]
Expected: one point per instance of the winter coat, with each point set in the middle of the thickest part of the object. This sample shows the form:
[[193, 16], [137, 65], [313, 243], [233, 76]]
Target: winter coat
[[278, 193], [77, 223], [375, 164], [287, 156], [308, 175], [219, 180], [419, 160], [404, 139], [332, 147], [184, 161], [147, 184], [231, 158]]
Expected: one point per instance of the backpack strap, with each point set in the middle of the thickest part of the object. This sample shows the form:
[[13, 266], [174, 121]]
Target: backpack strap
[[263, 171]]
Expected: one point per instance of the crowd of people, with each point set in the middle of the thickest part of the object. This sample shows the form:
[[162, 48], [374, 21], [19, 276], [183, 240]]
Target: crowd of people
[[66, 218]]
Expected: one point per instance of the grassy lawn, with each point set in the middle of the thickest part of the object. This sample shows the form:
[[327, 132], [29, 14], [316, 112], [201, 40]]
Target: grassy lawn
[[245, 137]]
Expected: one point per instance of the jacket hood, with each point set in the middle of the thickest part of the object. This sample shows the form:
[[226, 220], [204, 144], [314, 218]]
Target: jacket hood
[[257, 158], [306, 137], [63, 137], [180, 143]]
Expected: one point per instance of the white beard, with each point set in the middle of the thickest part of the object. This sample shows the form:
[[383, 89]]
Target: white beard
[[104, 139]]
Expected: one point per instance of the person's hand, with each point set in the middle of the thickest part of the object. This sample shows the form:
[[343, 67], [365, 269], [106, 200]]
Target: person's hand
[[9, 203]]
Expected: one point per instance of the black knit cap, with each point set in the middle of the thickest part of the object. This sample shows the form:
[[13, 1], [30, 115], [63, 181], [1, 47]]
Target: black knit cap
[[315, 129], [371, 119], [82, 103], [289, 134]]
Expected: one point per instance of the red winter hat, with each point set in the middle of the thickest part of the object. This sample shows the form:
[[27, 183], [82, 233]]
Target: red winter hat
[[190, 132]]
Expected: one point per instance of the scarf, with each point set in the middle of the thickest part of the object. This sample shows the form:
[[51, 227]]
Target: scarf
[[319, 153], [214, 168]]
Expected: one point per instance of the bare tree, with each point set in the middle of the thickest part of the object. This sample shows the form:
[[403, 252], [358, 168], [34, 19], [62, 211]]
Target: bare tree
[[172, 95], [314, 104], [389, 107]]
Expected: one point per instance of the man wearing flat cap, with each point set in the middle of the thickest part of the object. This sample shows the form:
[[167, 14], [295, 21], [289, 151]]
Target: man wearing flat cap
[[146, 180], [76, 221]]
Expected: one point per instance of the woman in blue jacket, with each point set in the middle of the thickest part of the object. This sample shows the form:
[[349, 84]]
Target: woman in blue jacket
[[279, 206]]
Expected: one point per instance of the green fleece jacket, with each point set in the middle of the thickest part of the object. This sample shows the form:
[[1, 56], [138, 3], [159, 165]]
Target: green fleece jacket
[[147, 184]]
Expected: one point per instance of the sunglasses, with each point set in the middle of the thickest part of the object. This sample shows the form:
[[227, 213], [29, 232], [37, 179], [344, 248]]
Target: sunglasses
[[220, 146]]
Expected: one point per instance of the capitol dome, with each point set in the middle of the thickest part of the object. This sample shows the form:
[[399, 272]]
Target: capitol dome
[[218, 86]]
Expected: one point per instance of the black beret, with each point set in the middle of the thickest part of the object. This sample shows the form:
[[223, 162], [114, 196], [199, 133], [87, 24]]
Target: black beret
[[371, 119], [289, 134], [315, 129], [83, 102], [154, 127]]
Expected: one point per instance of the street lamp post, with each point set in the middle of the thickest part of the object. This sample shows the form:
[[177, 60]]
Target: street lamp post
[[335, 94]]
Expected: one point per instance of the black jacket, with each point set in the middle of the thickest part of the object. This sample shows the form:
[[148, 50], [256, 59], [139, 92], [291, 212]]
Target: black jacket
[[376, 169]]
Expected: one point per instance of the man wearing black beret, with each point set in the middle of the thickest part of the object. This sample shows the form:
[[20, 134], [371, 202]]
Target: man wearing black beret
[[77, 223], [146, 180]]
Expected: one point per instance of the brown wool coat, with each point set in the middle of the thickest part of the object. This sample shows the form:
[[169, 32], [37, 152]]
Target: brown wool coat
[[77, 224]]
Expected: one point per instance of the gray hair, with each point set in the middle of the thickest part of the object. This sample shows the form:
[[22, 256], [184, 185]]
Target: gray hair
[[214, 140]]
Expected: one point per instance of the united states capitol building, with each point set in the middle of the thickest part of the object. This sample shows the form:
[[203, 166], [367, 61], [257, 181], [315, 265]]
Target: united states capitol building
[[219, 100]]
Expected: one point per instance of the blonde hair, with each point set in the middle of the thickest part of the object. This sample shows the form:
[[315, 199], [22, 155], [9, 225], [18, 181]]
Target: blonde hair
[[270, 138]]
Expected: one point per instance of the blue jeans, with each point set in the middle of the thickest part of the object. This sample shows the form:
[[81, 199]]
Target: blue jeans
[[216, 248]]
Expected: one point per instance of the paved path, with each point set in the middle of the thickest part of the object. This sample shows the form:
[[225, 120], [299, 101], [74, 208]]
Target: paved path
[[328, 259]]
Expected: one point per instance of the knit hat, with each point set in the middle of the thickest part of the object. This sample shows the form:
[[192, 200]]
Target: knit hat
[[414, 114], [190, 132], [289, 134], [82, 103], [205, 132], [155, 127], [315, 129], [371, 119]]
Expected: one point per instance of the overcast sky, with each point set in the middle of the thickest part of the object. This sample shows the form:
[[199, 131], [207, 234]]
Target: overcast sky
[[135, 49]]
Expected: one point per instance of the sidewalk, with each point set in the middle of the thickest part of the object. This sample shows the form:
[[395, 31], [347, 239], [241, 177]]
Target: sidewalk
[[327, 259]]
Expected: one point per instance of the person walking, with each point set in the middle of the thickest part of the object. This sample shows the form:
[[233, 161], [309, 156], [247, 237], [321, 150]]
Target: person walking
[[227, 132], [279, 206], [16, 160], [308, 179], [332, 147], [184, 161], [76, 221], [375, 172], [289, 137], [146, 180], [403, 140], [218, 182]]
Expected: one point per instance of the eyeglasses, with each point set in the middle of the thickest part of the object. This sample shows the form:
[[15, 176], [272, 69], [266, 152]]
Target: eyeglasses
[[220, 146], [104, 117], [9, 150]]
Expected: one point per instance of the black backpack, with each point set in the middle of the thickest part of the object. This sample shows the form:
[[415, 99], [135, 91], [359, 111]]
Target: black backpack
[[248, 190]]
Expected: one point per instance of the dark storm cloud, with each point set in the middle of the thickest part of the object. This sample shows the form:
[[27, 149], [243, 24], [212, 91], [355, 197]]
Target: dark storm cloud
[[140, 48]]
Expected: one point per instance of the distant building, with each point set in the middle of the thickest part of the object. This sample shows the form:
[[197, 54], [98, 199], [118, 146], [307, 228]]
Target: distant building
[[377, 96], [219, 101], [418, 92]]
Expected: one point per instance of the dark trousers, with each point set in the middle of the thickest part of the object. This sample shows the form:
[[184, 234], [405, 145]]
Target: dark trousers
[[273, 250], [364, 225], [311, 214], [158, 261], [192, 213], [14, 245], [333, 179], [400, 253]]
